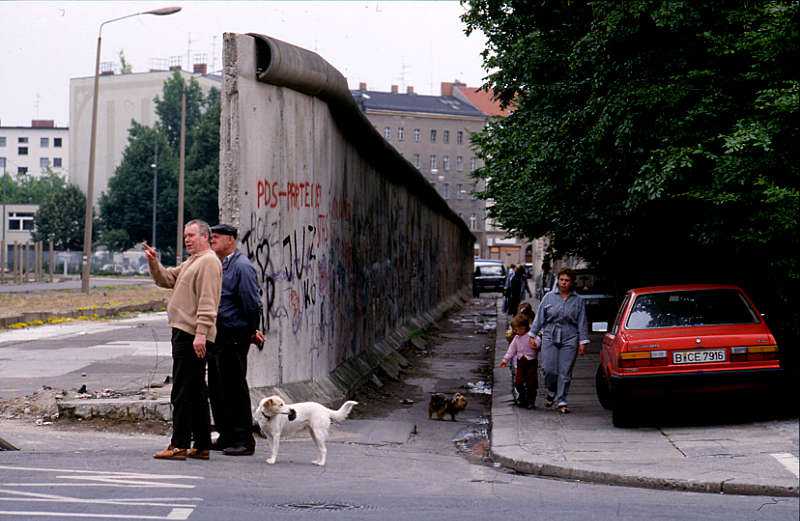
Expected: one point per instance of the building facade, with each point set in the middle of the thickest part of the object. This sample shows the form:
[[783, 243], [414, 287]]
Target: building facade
[[34, 150], [434, 134], [123, 98]]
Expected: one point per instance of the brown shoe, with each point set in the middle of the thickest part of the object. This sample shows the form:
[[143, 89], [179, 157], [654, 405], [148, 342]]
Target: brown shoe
[[197, 454], [171, 453]]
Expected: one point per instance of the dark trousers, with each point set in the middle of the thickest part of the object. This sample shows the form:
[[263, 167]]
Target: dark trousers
[[228, 389], [526, 379], [190, 420]]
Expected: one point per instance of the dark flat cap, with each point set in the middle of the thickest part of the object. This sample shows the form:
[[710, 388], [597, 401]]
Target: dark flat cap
[[225, 229]]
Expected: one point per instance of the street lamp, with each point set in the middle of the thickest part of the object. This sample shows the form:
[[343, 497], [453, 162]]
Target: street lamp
[[87, 220]]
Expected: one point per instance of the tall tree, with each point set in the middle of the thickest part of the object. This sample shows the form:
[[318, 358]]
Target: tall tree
[[654, 138], [202, 164], [128, 204], [168, 108], [60, 218]]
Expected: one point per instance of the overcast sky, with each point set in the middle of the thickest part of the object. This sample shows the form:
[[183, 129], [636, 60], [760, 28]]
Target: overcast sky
[[44, 44]]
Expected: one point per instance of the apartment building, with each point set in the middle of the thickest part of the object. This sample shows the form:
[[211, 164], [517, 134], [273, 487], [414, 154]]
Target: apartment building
[[433, 133], [123, 98], [35, 149]]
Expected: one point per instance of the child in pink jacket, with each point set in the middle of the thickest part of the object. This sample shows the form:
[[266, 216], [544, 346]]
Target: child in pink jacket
[[526, 378]]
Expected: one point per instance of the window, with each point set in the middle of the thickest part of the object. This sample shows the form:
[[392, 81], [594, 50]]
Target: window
[[2, 141], [446, 163], [387, 133], [22, 140], [473, 222], [401, 134], [416, 135], [44, 142], [689, 309], [433, 162], [446, 191], [44, 163], [22, 151], [57, 142], [460, 137], [445, 136], [459, 163], [56, 162], [22, 170], [3, 164], [473, 164], [459, 191], [18, 221], [416, 161], [433, 136]]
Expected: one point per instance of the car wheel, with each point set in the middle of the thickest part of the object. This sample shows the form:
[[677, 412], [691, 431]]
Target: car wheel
[[603, 392]]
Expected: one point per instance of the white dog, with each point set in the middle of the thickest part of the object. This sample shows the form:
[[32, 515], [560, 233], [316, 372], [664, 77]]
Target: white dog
[[275, 418]]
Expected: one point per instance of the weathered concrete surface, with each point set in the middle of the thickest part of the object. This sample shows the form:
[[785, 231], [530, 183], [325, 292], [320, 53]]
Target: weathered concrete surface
[[353, 248]]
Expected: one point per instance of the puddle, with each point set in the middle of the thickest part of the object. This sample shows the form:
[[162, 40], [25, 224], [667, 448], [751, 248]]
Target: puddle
[[473, 440], [479, 387]]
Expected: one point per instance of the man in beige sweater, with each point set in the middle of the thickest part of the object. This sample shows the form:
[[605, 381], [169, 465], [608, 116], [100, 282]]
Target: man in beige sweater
[[192, 315]]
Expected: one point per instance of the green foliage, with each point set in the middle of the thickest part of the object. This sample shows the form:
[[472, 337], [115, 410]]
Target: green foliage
[[60, 218], [168, 108], [115, 240], [30, 189], [655, 138], [128, 203], [127, 207]]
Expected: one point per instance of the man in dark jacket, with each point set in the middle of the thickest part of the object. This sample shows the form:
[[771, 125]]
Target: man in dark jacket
[[237, 327]]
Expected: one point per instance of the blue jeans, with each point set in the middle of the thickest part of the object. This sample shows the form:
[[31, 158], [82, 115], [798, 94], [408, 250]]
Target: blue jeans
[[558, 359]]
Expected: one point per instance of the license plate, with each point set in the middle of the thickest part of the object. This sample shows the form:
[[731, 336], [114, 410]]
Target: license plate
[[698, 357]]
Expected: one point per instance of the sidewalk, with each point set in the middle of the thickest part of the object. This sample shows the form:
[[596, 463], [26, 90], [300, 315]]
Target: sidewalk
[[754, 458]]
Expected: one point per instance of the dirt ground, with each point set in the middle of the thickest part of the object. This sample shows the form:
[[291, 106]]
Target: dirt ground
[[12, 304]]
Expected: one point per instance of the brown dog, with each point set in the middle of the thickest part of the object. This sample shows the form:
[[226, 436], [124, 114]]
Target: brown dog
[[441, 405]]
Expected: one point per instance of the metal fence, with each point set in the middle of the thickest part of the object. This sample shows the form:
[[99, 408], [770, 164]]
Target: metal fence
[[37, 261]]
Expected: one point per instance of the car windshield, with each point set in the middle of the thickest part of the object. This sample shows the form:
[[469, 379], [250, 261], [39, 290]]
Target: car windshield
[[490, 270], [690, 308]]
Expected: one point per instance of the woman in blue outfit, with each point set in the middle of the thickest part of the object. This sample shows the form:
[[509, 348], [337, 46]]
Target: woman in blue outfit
[[561, 319]]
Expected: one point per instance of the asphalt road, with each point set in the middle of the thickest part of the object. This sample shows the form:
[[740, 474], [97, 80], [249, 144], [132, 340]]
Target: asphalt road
[[72, 283], [389, 461]]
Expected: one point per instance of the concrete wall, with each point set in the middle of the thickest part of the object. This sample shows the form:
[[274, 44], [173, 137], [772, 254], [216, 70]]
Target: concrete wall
[[352, 246]]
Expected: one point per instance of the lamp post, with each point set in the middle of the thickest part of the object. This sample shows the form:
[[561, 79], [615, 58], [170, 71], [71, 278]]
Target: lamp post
[[87, 220], [154, 166]]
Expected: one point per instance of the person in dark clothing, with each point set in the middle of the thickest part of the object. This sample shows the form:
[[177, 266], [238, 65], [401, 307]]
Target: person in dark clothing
[[237, 327], [516, 286]]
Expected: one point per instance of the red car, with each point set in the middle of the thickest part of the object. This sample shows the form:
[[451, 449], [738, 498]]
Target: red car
[[671, 340]]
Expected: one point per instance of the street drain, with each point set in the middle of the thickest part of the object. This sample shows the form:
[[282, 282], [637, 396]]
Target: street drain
[[313, 505]]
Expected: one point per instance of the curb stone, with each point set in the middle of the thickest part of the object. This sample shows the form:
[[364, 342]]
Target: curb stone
[[509, 454]]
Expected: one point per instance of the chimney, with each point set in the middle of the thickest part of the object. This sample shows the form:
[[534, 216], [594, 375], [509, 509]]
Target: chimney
[[410, 89], [362, 86], [447, 88], [43, 123], [394, 89], [200, 68]]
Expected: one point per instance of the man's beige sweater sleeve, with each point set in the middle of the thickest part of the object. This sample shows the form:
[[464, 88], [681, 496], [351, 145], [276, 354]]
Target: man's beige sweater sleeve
[[208, 287], [165, 277]]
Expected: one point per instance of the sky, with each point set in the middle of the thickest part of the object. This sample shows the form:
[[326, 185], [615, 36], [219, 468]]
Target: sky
[[382, 43]]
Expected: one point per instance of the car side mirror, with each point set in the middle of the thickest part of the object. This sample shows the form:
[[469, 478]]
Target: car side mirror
[[599, 327]]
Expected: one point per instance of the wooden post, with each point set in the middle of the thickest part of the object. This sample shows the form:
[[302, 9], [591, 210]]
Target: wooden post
[[3, 260], [38, 260], [16, 262], [51, 262]]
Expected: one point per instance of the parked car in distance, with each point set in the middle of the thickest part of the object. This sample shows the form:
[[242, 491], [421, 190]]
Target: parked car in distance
[[489, 275], [673, 341], [597, 292]]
